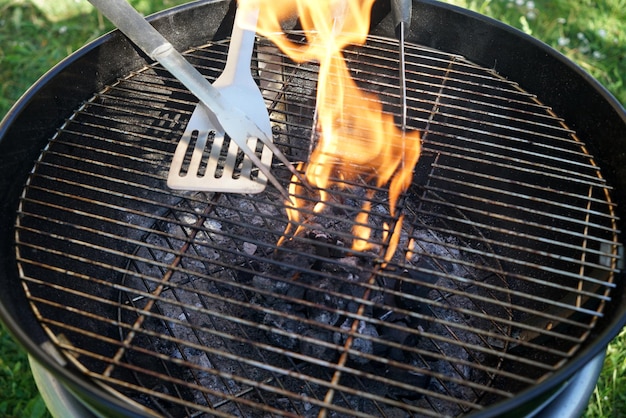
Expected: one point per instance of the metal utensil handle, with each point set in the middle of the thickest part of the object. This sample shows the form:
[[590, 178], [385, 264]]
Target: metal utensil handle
[[129, 21], [401, 11], [240, 48], [146, 37]]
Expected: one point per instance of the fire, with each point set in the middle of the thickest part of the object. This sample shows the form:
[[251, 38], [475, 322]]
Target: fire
[[356, 139]]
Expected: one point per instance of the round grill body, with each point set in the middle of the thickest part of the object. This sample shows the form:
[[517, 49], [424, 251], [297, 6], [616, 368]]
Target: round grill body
[[149, 301]]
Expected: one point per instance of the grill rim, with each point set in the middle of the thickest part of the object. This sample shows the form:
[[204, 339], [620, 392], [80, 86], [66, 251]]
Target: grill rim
[[50, 88]]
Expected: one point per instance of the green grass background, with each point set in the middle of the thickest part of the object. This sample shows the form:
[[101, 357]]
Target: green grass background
[[36, 34]]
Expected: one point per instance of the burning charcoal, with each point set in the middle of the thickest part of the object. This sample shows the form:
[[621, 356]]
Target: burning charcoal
[[350, 262], [395, 317], [365, 346], [385, 302], [283, 323], [249, 248], [355, 290], [295, 251], [318, 351], [329, 247], [323, 316], [323, 299]]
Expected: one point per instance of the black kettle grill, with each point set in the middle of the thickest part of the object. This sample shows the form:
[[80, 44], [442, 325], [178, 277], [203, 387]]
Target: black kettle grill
[[145, 301]]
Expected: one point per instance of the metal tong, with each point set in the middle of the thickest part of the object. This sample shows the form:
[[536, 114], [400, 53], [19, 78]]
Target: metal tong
[[401, 11]]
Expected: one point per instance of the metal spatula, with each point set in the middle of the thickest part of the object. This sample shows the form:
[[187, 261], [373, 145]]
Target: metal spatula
[[224, 113], [220, 166]]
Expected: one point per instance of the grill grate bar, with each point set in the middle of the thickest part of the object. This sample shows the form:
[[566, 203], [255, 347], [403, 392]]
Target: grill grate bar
[[246, 338], [77, 351], [117, 143], [570, 173], [539, 213], [514, 221], [527, 167], [510, 131], [468, 312], [507, 124], [513, 233], [455, 75], [445, 179], [535, 187], [585, 294], [392, 66], [543, 169], [505, 260], [105, 155], [569, 289], [120, 237], [540, 240], [442, 355], [431, 63], [232, 398], [180, 346], [249, 306], [604, 271], [100, 337], [96, 163], [119, 115], [215, 333], [607, 270]]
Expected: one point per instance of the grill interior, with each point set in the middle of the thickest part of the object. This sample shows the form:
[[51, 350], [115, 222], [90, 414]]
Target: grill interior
[[186, 303]]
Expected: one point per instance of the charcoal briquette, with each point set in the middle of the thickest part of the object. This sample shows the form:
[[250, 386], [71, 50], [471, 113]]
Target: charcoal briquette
[[288, 339], [408, 377], [314, 350], [360, 344]]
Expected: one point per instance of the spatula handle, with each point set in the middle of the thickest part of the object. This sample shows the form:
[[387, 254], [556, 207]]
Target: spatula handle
[[237, 69]]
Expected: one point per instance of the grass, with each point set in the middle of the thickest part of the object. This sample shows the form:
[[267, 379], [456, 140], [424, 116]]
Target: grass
[[36, 34], [609, 398], [590, 33], [19, 397]]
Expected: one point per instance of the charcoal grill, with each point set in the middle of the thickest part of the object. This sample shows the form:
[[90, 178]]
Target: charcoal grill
[[149, 301]]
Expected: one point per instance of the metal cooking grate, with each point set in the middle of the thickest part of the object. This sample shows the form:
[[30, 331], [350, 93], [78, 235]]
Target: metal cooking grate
[[185, 304]]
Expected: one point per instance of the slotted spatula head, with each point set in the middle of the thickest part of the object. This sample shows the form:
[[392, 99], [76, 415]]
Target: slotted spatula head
[[208, 160]]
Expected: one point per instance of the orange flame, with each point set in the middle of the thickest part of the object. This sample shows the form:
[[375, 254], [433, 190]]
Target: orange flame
[[356, 139]]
